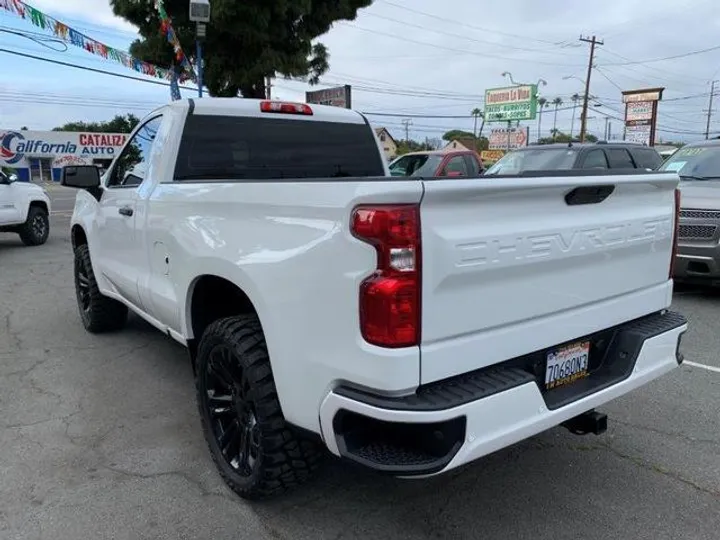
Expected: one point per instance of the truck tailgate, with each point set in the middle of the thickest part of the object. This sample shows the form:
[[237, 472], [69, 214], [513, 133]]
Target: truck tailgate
[[509, 267]]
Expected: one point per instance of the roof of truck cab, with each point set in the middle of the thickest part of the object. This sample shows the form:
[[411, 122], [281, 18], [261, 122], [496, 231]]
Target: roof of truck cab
[[217, 106]]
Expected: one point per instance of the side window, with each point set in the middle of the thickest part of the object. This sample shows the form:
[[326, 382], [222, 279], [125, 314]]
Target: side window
[[646, 158], [130, 167], [455, 167], [595, 159], [620, 158], [473, 166]]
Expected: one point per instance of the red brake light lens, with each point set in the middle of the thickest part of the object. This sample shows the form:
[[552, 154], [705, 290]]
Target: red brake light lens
[[285, 107], [390, 297]]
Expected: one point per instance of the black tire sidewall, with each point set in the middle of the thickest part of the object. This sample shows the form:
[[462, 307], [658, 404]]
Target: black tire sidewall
[[28, 233], [82, 260], [207, 345]]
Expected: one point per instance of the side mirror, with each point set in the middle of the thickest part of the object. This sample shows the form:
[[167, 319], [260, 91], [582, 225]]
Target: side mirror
[[12, 178], [80, 176]]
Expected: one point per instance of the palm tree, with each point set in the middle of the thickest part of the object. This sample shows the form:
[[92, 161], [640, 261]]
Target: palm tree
[[542, 103], [557, 102], [575, 98], [477, 113]]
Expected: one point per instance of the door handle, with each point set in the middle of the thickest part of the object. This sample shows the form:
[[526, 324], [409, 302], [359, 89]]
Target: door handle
[[125, 211]]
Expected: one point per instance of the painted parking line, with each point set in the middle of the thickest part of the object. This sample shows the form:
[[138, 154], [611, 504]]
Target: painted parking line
[[702, 366], [60, 213]]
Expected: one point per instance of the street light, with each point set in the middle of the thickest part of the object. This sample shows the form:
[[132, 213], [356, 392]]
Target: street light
[[200, 15]]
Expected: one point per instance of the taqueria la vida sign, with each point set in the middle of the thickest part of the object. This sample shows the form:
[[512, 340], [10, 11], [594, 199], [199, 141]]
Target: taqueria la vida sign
[[511, 103]]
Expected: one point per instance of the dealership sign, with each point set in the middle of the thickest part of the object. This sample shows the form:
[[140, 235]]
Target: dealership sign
[[511, 103], [638, 134], [639, 111], [506, 139], [339, 96], [17, 145]]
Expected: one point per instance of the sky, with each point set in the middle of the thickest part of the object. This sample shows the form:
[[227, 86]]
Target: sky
[[417, 59]]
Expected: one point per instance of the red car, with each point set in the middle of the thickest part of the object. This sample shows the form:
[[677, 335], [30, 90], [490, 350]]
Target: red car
[[453, 163]]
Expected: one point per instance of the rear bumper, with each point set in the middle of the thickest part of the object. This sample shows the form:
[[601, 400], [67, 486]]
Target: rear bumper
[[450, 423]]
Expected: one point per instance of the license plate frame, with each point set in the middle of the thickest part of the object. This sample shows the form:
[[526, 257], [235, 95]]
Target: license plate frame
[[567, 364]]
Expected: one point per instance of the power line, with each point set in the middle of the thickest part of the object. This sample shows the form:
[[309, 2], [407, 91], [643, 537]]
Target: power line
[[462, 23], [675, 57], [456, 35], [94, 70], [452, 49]]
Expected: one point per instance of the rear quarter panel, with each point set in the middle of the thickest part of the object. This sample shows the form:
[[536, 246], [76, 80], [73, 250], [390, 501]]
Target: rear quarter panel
[[288, 245]]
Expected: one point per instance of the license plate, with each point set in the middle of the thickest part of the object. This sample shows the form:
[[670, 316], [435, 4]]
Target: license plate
[[567, 364]]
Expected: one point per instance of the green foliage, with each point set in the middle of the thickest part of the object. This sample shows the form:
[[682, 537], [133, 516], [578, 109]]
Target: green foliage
[[561, 137], [246, 41], [455, 134], [403, 147], [119, 124]]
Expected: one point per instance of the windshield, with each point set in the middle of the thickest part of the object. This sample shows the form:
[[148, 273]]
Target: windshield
[[695, 163], [535, 159], [415, 165]]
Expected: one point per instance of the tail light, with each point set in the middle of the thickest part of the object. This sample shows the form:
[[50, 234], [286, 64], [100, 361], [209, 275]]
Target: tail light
[[676, 230], [285, 107], [390, 297]]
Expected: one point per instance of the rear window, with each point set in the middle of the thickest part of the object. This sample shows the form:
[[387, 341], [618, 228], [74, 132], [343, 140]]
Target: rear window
[[646, 158], [239, 148], [535, 159]]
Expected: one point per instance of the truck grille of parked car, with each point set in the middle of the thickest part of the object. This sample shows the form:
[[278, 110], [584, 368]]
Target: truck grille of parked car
[[700, 214], [697, 232]]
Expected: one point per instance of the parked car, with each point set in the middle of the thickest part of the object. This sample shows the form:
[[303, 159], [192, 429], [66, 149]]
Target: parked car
[[24, 209], [436, 164], [698, 255], [564, 156], [408, 325]]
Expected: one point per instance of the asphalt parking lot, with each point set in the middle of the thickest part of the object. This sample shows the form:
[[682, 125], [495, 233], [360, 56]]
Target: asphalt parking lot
[[99, 438]]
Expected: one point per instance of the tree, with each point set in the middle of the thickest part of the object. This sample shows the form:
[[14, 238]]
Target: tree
[[542, 103], [24, 128], [246, 41], [560, 137], [455, 134], [557, 102], [575, 98], [119, 124], [477, 113]]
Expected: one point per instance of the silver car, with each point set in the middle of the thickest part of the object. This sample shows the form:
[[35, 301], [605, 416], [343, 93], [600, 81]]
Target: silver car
[[698, 256]]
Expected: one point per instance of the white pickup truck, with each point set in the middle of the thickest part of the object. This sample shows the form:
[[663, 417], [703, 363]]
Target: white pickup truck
[[408, 325], [25, 210]]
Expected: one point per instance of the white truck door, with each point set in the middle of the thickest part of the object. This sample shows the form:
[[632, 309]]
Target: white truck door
[[122, 254], [9, 205]]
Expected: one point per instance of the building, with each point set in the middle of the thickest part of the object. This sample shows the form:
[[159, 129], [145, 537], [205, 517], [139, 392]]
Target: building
[[39, 156], [460, 144], [388, 143]]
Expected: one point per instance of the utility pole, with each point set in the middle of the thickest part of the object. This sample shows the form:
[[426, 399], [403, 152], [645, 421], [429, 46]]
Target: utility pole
[[607, 129], [407, 122], [268, 87], [583, 116], [710, 106]]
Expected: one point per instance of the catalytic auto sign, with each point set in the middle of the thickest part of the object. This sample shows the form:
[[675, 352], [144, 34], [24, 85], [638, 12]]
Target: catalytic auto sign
[[15, 146], [511, 103]]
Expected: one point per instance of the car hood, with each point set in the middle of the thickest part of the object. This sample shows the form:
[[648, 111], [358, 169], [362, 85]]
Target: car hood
[[704, 195]]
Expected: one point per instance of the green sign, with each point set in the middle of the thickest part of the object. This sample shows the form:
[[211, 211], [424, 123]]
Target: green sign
[[511, 103]]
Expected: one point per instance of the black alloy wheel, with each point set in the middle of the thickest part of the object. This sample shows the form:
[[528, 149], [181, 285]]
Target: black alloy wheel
[[232, 415], [256, 452]]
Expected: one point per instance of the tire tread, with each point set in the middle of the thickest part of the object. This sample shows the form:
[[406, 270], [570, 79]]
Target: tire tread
[[287, 459]]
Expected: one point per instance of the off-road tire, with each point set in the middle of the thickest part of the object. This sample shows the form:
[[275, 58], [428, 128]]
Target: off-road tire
[[36, 229], [286, 459], [97, 312]]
